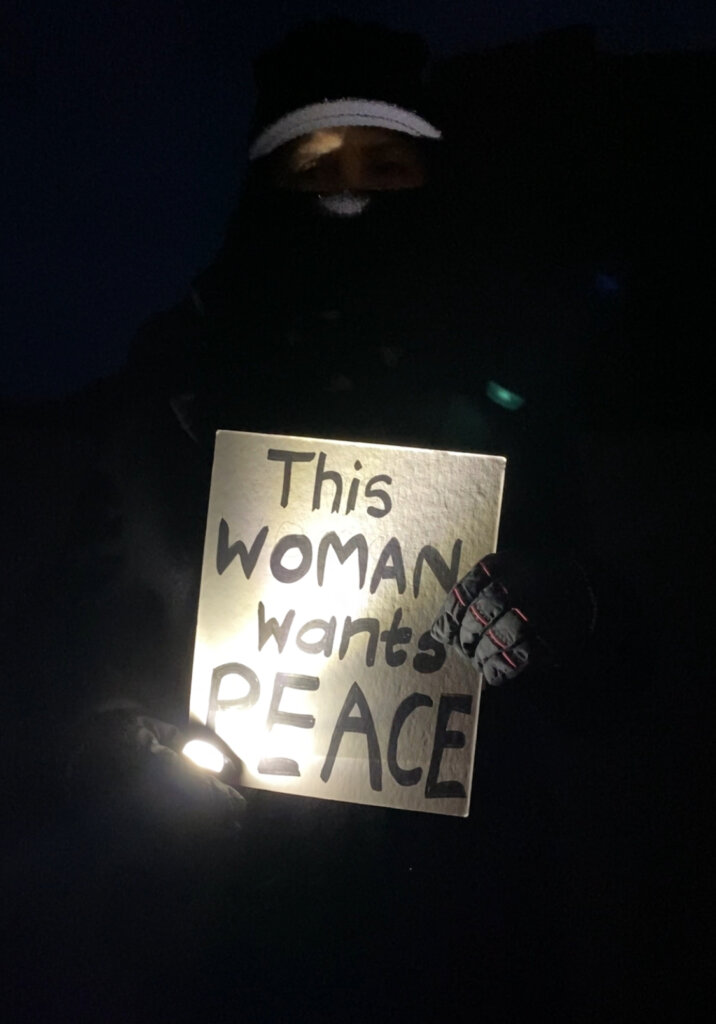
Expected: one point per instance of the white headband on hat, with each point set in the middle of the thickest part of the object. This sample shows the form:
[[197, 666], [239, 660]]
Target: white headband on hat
[[340, 114]]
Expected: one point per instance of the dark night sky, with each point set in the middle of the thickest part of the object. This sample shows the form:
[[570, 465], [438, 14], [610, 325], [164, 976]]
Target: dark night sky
[[126, 127]]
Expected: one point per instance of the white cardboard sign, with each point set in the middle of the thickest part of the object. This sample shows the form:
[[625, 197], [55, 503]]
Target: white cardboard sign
[[325, 564]]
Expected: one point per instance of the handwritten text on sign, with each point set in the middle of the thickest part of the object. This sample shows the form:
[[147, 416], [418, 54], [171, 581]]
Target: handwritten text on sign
[[324, 566]]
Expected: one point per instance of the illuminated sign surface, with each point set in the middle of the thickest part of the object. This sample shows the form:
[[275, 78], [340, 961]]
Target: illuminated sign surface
[[325, 564]]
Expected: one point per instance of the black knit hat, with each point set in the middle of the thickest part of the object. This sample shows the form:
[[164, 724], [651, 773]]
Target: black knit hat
[[336, 73]]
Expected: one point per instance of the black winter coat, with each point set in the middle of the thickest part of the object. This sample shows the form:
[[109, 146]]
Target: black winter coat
[[315, 910]]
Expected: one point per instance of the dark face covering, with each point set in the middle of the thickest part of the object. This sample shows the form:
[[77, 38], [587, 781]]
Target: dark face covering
[[297, 252], [327, 256], [363, 325], [320, 302]]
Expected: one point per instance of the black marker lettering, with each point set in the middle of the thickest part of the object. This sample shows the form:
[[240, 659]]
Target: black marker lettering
[[288, 458], [303, 545], [353, 490], [286, 765], [226, 552], [325, 643], [397, 634], [342, 553], [427, 663], [383, 496], [362, 724], [272, 628], [389, 566], [232, 668], [446, 575], [323, 474], [447, 739], [351, 627], [405, 776]]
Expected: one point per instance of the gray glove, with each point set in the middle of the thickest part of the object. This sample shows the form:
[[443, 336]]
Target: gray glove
[[129, 767], [513, 611]]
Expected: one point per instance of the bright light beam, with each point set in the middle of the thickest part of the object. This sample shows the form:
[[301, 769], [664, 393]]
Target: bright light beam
[[205, 755]]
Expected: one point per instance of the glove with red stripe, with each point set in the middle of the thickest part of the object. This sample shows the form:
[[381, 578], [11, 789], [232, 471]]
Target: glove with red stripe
[[514, 611]]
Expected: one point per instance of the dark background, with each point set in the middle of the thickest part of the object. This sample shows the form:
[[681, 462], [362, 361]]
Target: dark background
[[125, 146], [125, 129]]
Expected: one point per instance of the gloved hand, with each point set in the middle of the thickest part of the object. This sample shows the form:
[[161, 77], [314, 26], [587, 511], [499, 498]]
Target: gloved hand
[[129, 768], [514, 611]]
